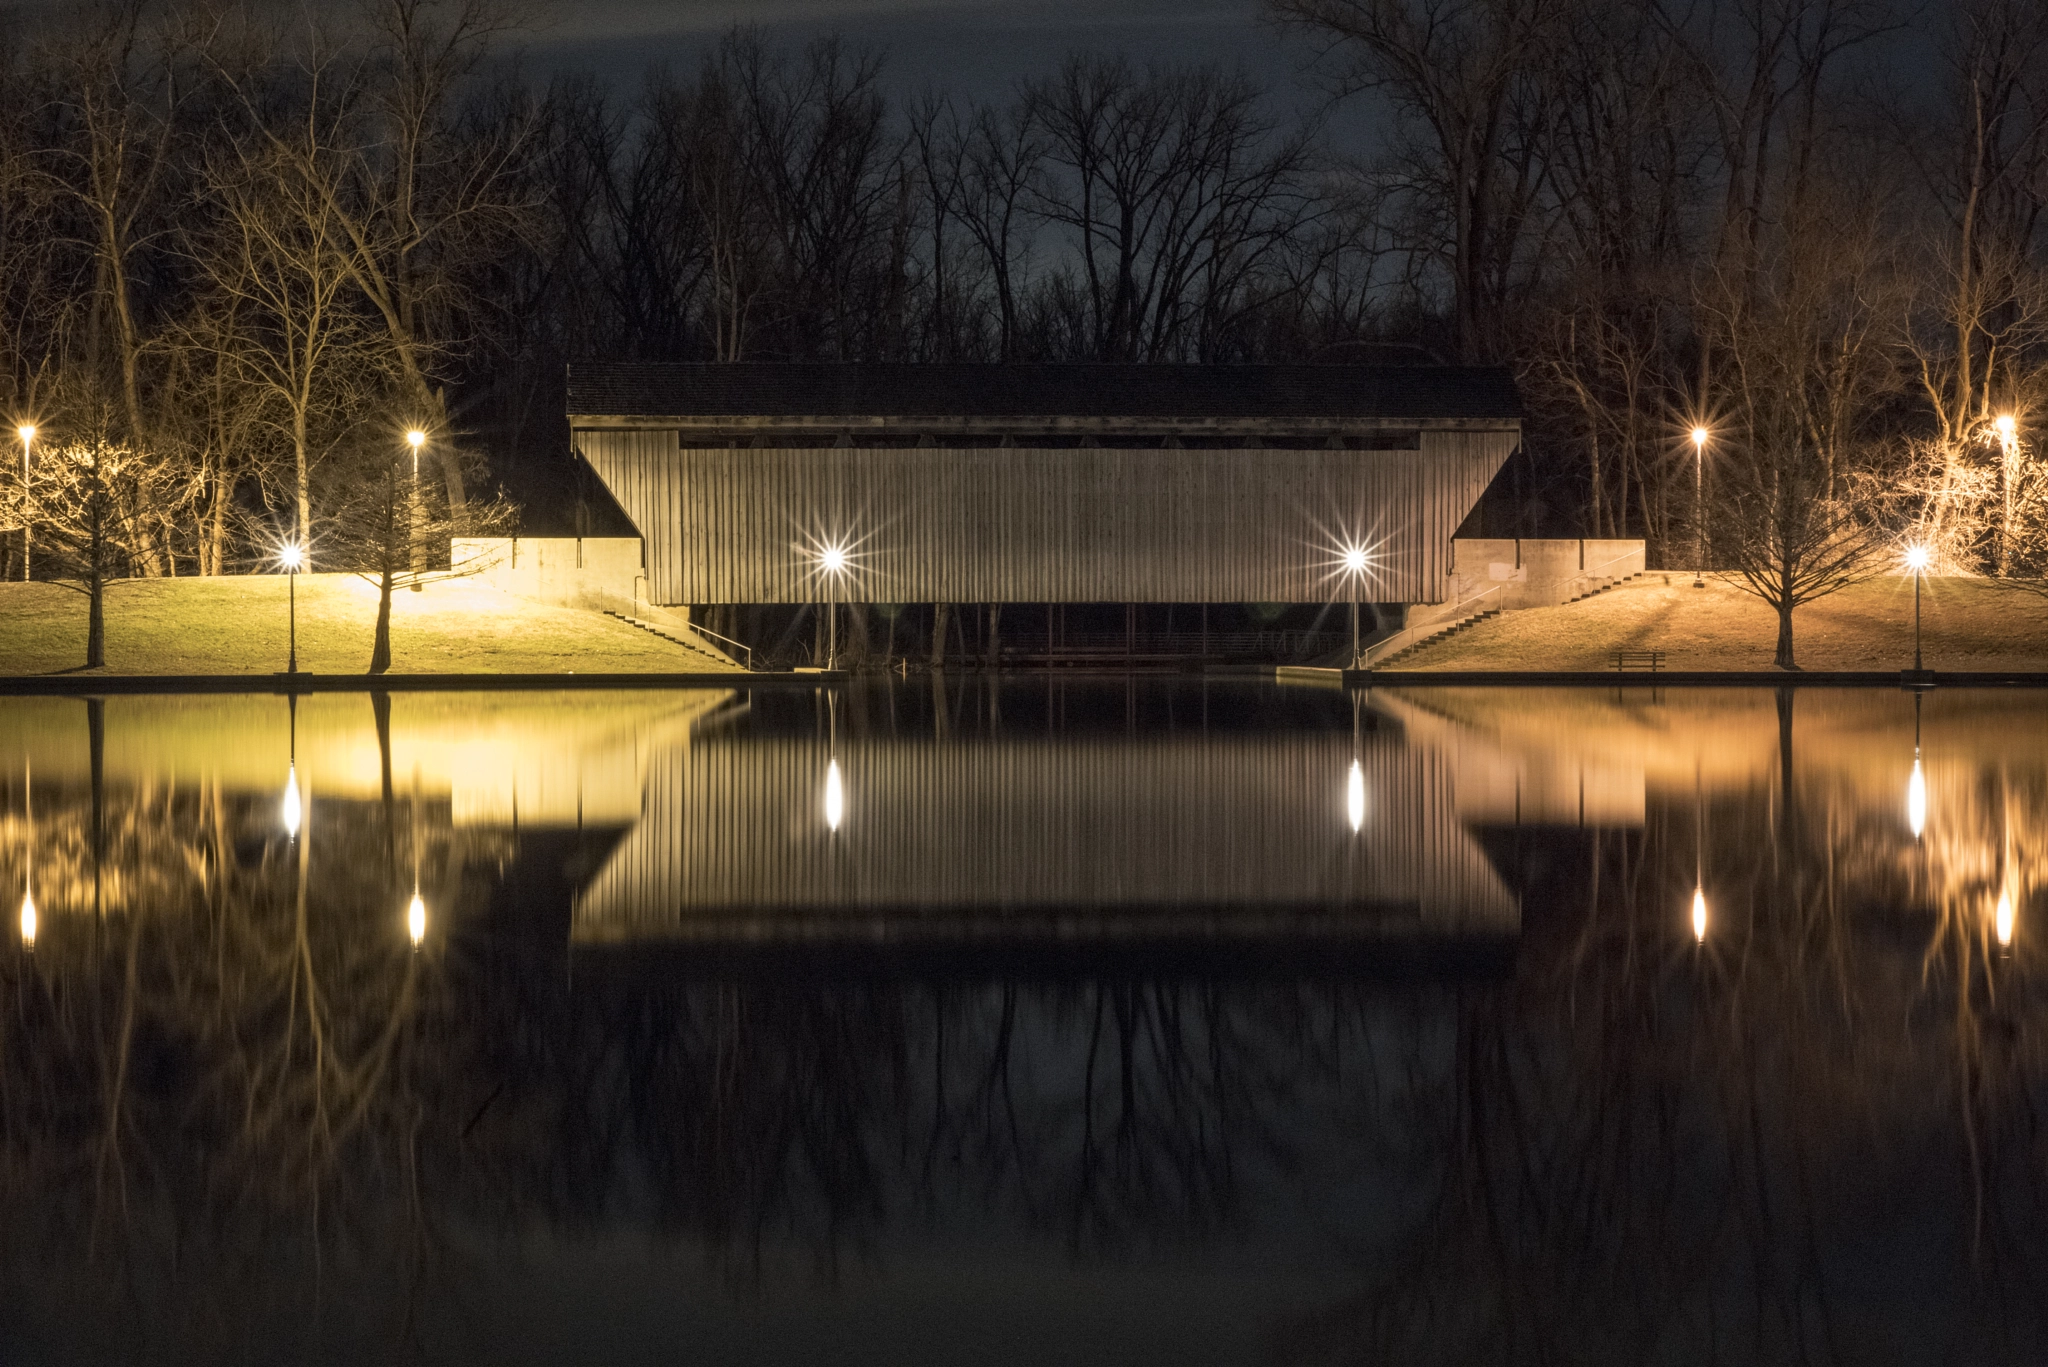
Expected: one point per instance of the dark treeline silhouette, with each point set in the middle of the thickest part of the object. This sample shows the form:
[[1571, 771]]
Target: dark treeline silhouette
[[270, 243]]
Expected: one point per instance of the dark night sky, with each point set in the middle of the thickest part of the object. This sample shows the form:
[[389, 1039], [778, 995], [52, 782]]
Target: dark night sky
[[971, 47]]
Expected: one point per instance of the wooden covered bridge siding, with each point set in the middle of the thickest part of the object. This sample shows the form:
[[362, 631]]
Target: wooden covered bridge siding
[[1042, 525], [1179, 835]]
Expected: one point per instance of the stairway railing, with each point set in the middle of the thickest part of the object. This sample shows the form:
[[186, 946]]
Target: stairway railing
[[1441, 621]]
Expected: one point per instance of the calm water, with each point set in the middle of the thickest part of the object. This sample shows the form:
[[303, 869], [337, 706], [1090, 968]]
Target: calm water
[[1083, 1022]]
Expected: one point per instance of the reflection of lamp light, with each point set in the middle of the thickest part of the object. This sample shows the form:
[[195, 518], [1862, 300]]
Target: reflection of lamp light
[[1699, 913], [292, 811], [28, 921], [416, 919], [835, 796], [1354, 796], [2003, 923], [1916, 800]]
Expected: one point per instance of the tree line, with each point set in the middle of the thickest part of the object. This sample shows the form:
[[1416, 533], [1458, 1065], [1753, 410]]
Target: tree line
[[242, 253]]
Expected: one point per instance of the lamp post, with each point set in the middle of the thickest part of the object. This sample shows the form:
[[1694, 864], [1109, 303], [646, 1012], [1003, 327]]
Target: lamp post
[[833, 561], [27, 433], [1699, 512], [291, 557], [414, 438], [1916, 561], [2008, 452], [1354, 569]]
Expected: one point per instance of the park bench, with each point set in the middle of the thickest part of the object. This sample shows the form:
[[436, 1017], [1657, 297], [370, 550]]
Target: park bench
[[1625, 660]]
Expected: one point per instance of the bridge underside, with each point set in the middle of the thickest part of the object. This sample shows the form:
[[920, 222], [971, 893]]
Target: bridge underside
[[1043, 524]]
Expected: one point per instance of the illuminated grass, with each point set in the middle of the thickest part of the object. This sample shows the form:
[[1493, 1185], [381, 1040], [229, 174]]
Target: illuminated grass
[[237, 625], [1970, 624]]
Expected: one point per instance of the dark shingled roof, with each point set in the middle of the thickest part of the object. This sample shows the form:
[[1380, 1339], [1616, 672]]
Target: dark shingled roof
[[773, 389]]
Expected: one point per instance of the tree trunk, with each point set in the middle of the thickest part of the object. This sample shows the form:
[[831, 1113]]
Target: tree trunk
[[380, 647], [95, 618], [940, 612], [1783, 659]]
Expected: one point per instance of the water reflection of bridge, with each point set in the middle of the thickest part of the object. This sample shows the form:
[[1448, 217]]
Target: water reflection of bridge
[[1077, 840]]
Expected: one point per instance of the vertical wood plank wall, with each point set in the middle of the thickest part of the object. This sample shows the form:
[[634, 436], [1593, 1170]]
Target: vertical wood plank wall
[[1192, 831], [1041, 525]]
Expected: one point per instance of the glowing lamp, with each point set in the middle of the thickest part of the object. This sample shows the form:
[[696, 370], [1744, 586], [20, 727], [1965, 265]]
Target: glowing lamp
[[292, 557], [416, 919], [2002, 922], [1699, 437], [27, 432], [1354, 560], [28, 921], [291, 811], [416, 438], [2006, 426], [833, 559], [1917, 558], [1354, 797], [1699, 914]]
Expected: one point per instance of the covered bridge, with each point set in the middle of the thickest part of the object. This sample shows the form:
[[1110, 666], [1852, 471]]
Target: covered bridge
[[1043, 483]]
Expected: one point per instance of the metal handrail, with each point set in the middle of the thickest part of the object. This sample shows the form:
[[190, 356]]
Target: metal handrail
[[1408, 636], [1594, 573], [727, 640]]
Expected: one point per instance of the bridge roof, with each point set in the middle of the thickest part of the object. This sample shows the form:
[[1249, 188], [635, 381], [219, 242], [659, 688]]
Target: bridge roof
[[1286, 394]]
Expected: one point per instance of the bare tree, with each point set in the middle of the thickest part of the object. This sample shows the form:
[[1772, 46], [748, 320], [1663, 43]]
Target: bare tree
[[1798, 359], [93, 501], [1463, 75], [396, 530]]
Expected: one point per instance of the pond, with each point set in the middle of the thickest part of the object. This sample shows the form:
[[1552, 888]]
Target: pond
[[1080, 1020]]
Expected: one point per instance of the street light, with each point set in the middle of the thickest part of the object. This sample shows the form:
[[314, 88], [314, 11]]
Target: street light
[[833, 561], [2008, 474], [1699, 914], [2003, 923], [292, 556], [27, 433], [1354, 567], [416, 919], [1916, 561], [414, 438], [1699, 520]]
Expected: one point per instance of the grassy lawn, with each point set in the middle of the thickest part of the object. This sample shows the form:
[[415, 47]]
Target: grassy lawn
[[1969, 624], [238, 625]]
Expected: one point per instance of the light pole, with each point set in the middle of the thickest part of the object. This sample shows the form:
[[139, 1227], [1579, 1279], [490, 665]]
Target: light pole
[[1699, 511], [1354, 568], [833, 561], [291, 557], [27, 433], [1916, 561], [415, 439], [2008, 451]]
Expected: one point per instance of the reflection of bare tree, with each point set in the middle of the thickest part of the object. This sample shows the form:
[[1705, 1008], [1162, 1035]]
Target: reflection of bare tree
[[1650, 1149]]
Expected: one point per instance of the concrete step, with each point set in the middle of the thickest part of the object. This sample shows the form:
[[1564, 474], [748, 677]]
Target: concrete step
[[711, 657], [1610, 584], [1450, 629]]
